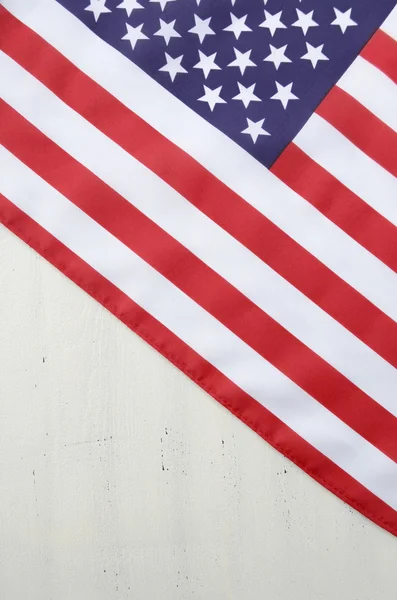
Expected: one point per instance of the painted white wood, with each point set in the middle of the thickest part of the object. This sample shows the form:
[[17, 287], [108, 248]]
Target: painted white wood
[[121, 479]]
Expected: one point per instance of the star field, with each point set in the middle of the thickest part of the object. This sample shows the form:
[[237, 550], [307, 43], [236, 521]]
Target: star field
[[256, 69]]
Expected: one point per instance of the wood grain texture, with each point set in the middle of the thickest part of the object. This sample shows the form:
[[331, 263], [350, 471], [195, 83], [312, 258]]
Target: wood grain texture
[[122, 479]]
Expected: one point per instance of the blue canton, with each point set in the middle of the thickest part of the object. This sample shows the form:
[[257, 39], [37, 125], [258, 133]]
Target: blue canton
[[255, 69]]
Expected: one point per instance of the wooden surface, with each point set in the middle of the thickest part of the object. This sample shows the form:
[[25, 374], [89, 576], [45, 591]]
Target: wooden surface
[[121, 479]]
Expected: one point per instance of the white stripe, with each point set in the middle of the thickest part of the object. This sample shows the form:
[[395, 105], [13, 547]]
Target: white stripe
[[198, 233], [198, 329], [222, 157], [357, 171], [390, 25], [373, 89]]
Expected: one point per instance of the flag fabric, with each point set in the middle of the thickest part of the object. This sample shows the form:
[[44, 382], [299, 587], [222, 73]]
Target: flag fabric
[[222, 176]]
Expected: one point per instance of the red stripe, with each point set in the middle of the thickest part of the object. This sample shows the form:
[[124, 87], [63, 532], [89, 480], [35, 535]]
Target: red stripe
[[381, 52], [201, 188], [338, 204], [198, 281], [361, 127], [194, 366]]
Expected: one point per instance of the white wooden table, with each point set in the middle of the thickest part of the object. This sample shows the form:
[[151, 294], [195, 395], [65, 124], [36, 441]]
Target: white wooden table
[[120, 479]]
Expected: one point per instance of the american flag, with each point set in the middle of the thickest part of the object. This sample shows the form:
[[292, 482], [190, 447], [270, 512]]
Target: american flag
[[221, 175]]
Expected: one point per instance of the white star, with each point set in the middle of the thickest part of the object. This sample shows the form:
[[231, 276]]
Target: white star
[[97, 7], [237, 26], [304, 21], [343, 19], [314, 54], [173, 66], [202, 28], [129, 6], [255, 129], [277, 56], [284, 94], [273, 22], [246, 94], [207, 63], [134, 34], [212, 97], [242, 60], [163, 3], [167, 31]]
